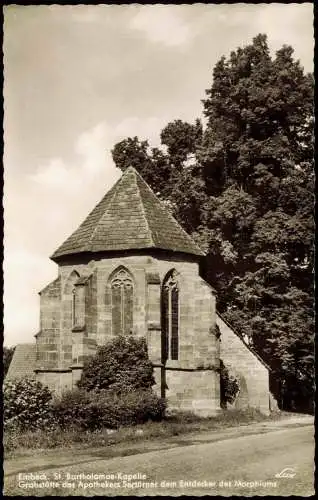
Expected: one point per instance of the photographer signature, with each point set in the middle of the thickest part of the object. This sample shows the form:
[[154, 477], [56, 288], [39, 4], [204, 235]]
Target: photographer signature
[[288, 472]]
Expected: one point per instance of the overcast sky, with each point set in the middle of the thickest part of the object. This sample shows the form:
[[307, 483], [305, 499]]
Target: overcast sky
[[79, 79]]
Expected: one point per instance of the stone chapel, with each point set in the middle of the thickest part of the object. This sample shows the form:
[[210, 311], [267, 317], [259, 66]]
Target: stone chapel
[[130, 269]]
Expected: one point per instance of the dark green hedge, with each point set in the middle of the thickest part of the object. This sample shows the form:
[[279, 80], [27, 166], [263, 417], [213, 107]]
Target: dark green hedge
[[96, 410]]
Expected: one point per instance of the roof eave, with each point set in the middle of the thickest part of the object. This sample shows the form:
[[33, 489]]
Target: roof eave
[[58, 257]]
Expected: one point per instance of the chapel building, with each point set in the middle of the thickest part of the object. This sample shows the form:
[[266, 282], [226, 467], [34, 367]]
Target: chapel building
[[130, 269]]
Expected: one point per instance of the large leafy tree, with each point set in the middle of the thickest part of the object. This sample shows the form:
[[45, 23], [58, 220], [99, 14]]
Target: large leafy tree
[[260, 113], [243, 187]]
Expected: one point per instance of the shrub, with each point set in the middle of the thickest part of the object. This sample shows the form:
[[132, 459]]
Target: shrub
[[96, 410], [121, 364], [26, 404], [113, 410], [68, 410], [229, 386]]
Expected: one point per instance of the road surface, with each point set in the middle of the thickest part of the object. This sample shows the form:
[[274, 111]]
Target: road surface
[[243, 466]]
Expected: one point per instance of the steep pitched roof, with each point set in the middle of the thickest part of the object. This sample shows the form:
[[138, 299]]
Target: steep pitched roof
[[53, 287], [23, 362], [130, 216]]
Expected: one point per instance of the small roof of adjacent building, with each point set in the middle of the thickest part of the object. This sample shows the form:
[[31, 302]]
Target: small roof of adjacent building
[[23, 362], [129, 217]]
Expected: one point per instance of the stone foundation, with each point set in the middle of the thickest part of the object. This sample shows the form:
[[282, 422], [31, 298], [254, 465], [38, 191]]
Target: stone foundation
[[193, 391], [196, 391], [56, 381]]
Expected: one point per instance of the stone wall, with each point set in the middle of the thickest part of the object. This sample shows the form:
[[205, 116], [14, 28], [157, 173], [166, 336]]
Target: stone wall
[[98, 306], [57, 381], [48, 338], [247, 367], [67, 320], [189, 383], [49, 341], [196, 317], [196, 391], [198, 350]]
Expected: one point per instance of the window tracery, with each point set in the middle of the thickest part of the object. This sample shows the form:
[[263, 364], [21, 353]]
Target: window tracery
[[122, 291]]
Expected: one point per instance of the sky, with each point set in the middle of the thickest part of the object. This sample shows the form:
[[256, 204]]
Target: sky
[[78, 79]]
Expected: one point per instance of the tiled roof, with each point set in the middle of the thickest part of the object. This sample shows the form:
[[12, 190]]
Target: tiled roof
[[23, 362], [130, 216], [52, 288]]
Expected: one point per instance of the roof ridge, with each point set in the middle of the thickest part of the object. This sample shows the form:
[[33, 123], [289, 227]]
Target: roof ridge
[[171, 217], [115, 187], [152, 242]]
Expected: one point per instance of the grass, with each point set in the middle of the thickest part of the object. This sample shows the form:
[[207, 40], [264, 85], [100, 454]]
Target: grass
[[19, 443], [76, 452]]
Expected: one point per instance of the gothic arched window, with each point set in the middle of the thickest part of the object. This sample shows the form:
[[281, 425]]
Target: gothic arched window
[[170, 317], [122, 291]]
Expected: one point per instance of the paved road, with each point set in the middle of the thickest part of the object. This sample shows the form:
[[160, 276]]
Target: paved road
[[243, 466]]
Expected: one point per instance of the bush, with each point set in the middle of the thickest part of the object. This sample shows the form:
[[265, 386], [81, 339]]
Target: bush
[[68, 410], [96, 410], [119, 365], [26, 405], [229, 386], [113, 410]]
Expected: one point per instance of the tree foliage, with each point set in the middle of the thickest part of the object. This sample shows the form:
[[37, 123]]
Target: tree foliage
[[243, 186]]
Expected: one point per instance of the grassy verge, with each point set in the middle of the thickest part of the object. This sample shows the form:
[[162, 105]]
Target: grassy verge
[[19, 443]]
